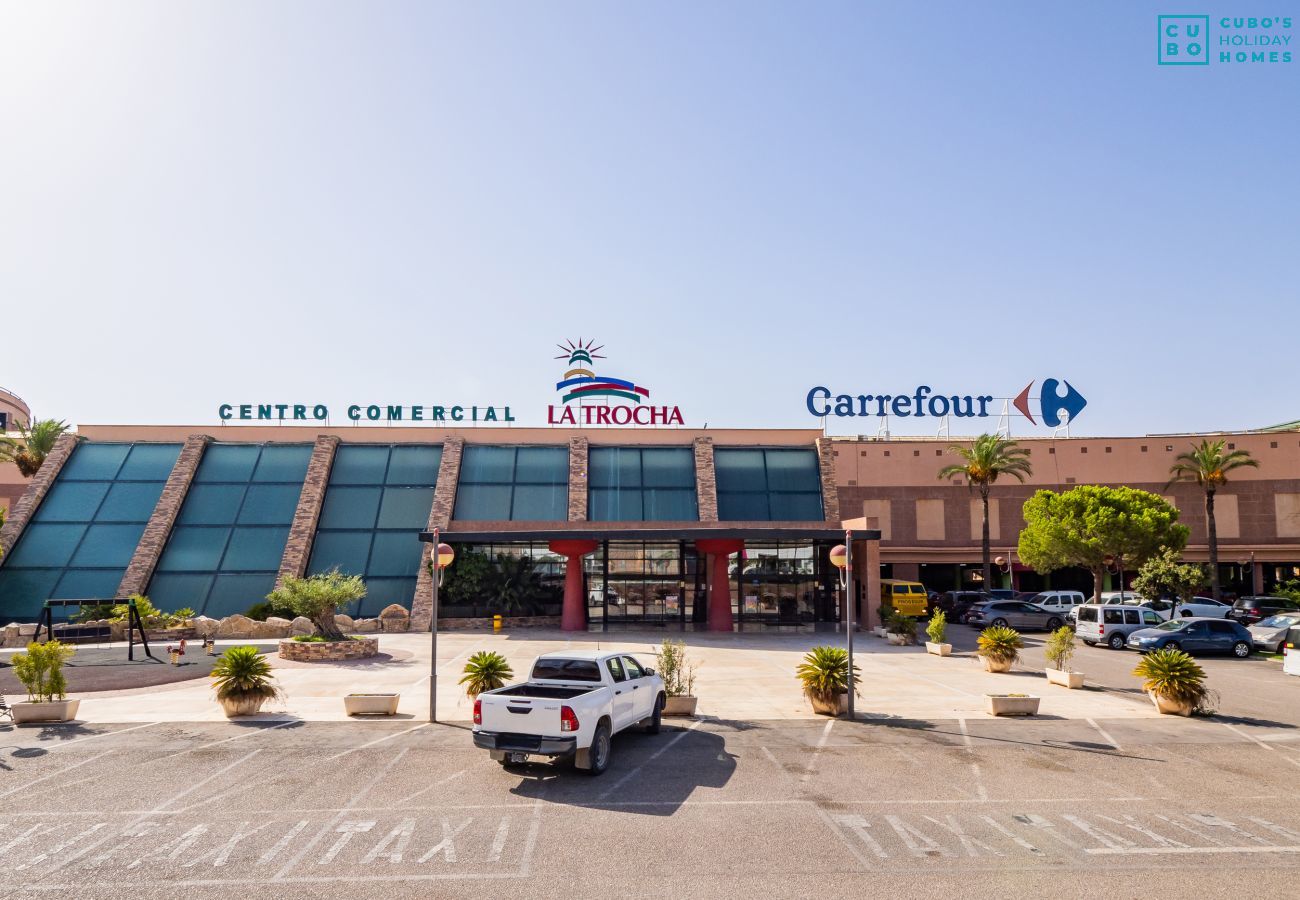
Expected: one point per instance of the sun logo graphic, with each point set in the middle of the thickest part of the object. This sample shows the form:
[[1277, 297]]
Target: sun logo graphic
[[617, 401]]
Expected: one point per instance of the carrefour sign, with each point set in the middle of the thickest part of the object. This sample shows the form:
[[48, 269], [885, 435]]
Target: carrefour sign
[[1055, 405]]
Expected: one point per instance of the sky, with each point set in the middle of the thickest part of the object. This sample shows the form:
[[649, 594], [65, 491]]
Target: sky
[[413, 203]]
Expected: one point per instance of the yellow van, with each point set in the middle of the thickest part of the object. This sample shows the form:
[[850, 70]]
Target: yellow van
[[908, 597]]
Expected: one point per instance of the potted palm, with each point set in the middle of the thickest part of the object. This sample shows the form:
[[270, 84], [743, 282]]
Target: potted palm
[[935, 631], [1173, 681], [999, 647], [824, 674], [679, 679], [40, 670], [882, 630], [1059, 651], [486, 670], [901, 630], [243, 681]]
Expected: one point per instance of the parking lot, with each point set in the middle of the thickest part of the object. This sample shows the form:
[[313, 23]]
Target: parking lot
[[704, 809]]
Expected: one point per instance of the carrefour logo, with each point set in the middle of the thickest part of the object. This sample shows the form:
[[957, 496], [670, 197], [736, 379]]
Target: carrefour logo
[[1058, 403]]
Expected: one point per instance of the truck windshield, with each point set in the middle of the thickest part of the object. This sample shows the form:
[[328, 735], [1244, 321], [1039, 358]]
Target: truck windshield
[[566, 670]]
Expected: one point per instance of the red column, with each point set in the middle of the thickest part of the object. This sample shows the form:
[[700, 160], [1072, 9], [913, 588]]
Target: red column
[[573, 617], [720, 618]]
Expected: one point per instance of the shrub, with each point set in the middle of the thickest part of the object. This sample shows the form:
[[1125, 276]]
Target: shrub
[[1060, 648], [319, 597], [902, 625], [486, 670], [678, 674], [150, 615], [824, 673], [40, 670], [242, 672], [265, 610], [937, 628], [320, 638], [1175, 675], [1000, 644]]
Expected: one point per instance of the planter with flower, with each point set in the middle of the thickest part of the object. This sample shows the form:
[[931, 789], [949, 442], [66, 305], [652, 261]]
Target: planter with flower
[[901, 630], [936, 631], [678, 674], [999, 648], [1059, 651], [242, 680], [824, 674], [1174, 682], [40, 669]]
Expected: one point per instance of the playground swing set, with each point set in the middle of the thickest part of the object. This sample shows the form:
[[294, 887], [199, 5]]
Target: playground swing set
[[134, 624]]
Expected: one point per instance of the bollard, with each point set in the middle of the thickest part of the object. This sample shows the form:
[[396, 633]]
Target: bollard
[[496, 624]]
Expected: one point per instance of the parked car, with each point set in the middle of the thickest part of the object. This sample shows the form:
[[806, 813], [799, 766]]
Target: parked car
[[1195, 636], [1249, 610], [1109, 597], [1112, 623], [573, 703], [1001, 593], [1057, 601], [1014, 614], [976, 610], [1276, 632], [1197, 607], [955, 604]]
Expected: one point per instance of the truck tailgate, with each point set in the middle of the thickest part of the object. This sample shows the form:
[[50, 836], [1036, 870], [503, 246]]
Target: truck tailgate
[[520, 715]]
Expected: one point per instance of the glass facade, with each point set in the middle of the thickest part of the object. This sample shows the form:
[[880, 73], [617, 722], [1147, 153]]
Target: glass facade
[[225, 549], [768, 485], [85, 531], [518, 578], [641, 484], [376, 504], [513, 484], [790, 583]]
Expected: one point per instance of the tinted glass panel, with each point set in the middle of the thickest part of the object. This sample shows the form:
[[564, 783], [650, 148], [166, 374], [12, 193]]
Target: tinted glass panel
[[255, 549], [232, 594], [540, 503], [283, 463], [614, 467], [668, 467], [192, 549], [227, 462], [395, 553], [406, 508], [350, 507], [108, 546], [381, 592], [130, 501], [94, 462], [796, 507], [87, 584], [542, 465], [72, 501], [614, 505], [346, 550], [414, 465], [740, 470], [211, 504], [150, 462], [567, 669], [171, 592], [742, 507], [483, 502], [23, 591], [45, 545], [793, 470], [269, 504], [359, 465], [768, 484], [492, 465]]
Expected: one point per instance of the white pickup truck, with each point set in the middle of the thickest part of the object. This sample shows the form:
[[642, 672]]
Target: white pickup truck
[[571, 705]]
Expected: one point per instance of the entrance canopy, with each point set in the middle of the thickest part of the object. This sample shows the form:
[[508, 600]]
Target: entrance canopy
[[468, 533]]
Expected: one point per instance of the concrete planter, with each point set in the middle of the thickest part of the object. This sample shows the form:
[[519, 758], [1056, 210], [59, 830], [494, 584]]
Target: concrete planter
[[328, 651], [1072, 680], [900, 640], [371, 704], [938, 649], [680, 706], [241, 706], [54, 711], [1170, 706], [837, 708], [879, 631], [1011, 705], [996, 665]]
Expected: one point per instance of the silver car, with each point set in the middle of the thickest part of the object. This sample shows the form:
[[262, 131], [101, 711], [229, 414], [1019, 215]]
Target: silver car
[[1276, 632], [1015, 614]]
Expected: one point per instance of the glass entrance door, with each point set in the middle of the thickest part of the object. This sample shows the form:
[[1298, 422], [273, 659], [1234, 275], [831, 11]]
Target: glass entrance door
[[635, 583]]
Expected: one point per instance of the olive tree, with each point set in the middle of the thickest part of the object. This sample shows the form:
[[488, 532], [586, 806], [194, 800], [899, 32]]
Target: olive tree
[[1090, 525], [319, 597], [1167, 575]]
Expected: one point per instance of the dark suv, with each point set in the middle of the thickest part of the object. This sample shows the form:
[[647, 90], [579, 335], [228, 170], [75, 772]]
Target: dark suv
[[955, 604], [1249, 610]]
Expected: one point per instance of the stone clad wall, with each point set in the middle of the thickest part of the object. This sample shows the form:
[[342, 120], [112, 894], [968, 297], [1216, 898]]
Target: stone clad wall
[[297, 549], [25, 508], [706, 481], [444, 503], [147, 553], [830, 492], [578, 479], [304, 651]]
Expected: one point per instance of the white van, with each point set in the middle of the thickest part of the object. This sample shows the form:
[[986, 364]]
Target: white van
[[1111, 623], [1057, 601]]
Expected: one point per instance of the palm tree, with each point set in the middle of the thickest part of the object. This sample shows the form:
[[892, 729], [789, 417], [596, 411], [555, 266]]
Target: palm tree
[[1207, 465], [982, 462], [38, 440]]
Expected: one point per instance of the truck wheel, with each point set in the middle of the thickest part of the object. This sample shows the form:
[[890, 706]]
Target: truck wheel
[[595, 759], [652, 724]]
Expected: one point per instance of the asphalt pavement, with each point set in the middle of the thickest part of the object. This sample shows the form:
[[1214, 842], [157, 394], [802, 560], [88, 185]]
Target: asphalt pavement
[[710, 808]]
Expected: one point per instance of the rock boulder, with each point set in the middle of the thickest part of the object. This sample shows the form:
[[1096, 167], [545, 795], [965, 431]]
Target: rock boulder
[[365, 626], [236, 626], [302, 625], [394, 617], [204, 627], [345, 623]]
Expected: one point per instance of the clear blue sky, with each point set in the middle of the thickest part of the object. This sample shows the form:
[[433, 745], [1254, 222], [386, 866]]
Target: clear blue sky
[[204, 203]]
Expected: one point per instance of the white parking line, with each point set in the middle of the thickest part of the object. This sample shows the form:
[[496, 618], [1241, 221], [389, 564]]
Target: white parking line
[[1104, 736], [238, 737], [100, 735], [61, 772], [377, 741], [821, 745], [1156, 851], [653, 756], [1235, 730]]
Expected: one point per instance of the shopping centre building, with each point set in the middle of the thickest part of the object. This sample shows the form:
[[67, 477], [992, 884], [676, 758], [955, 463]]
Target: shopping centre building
[[681, 527]]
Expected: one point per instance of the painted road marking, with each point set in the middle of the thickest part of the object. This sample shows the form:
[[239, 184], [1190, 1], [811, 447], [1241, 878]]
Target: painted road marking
[[100, 735], [653, 756], [61, 772], [1250, 737], [821, 745], [374, 742], [1105, 736]]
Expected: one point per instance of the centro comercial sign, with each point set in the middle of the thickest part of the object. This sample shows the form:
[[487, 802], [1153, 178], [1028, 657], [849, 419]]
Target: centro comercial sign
[[924, 400]]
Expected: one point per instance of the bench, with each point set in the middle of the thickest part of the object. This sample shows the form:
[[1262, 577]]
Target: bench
[[78, 634]]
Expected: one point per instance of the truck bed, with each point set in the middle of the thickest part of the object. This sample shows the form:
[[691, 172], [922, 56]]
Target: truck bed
[[543, 691]]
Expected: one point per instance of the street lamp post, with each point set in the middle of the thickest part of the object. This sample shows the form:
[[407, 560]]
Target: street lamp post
[[441, 559], [842, 558]]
